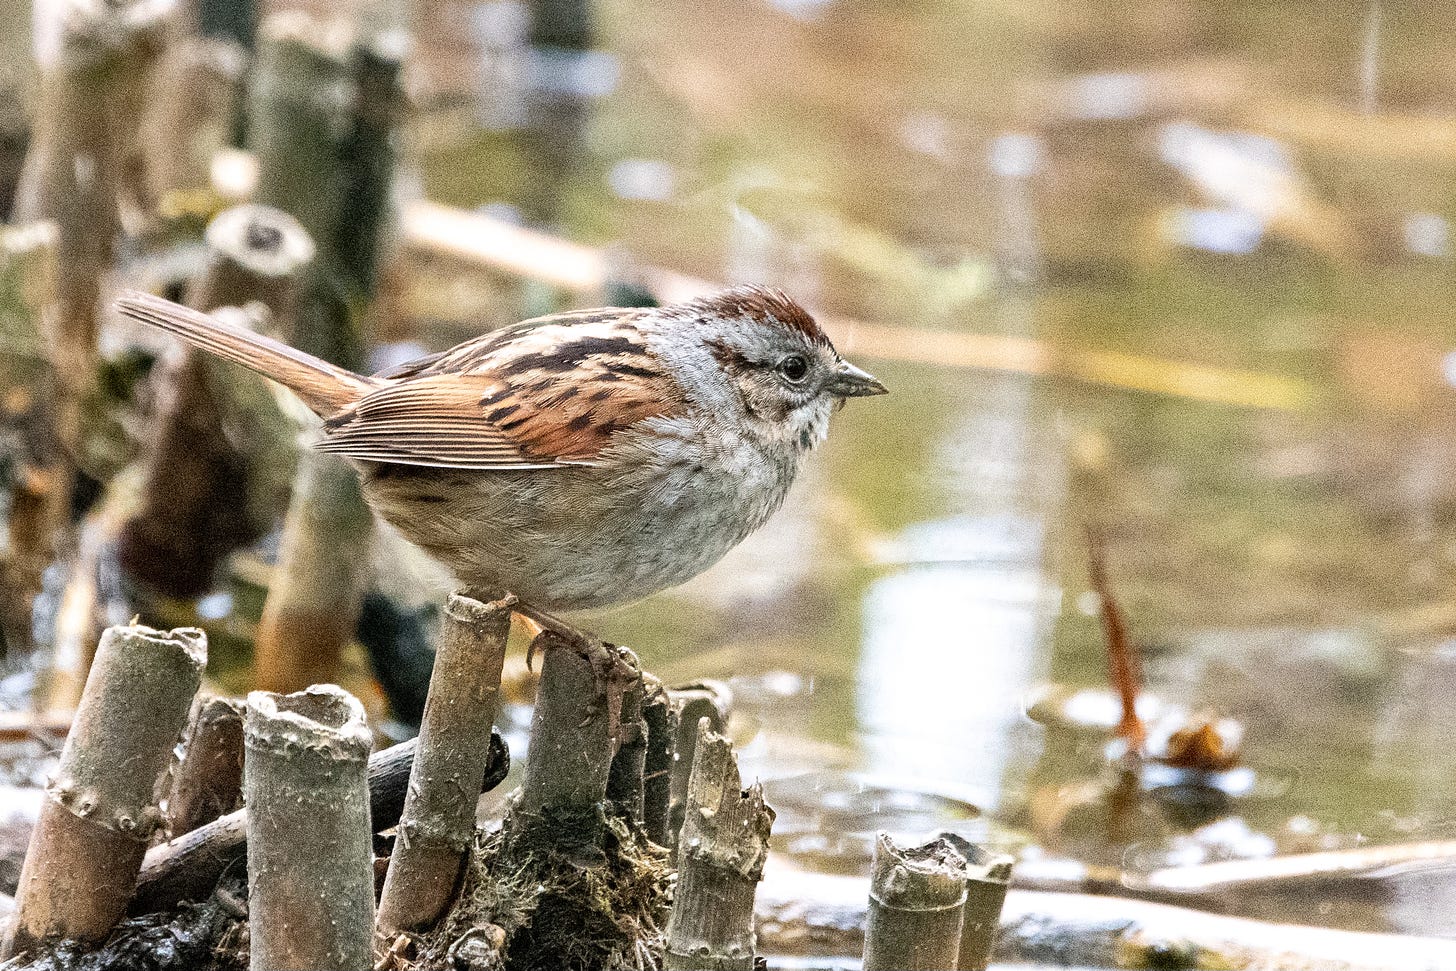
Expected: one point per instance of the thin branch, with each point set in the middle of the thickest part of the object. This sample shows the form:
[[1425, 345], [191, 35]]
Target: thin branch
[[1123, 666]]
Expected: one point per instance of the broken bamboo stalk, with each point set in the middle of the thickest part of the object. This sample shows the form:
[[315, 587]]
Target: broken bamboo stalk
[[305, 106], [916, 898], [988, 875], [200, 493], [660, 720], [208, 781], [721, 852], [310, 846], [557, 111], [327, 107], [313, 599], [254, 253], [82, 139], [74, 173], [100, 810], [708, 699], [438, 821], [189, 866], [232, 20]]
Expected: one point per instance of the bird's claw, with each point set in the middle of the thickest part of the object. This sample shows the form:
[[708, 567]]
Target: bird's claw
[[612, 667]]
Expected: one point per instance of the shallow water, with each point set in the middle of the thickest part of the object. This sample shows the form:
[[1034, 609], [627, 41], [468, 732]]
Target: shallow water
[[1224, 230]]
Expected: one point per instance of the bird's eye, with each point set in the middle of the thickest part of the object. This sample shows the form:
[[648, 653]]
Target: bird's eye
[[794, 368]]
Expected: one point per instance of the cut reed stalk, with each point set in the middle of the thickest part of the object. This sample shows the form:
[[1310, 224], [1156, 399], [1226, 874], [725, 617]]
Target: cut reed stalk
[[310, 124], [438, 822], [203, 496], [917, 895], [572, 735], [314, 595], [100, 810], [712, 700], [721, 852], [988, 875], [208, 781], [310, 847], [80, 145], [75, 174], [375, 64]]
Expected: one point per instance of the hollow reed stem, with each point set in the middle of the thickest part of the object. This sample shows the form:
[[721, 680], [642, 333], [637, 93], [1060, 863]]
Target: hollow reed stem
[[100, 809], [708, 699], [917, 895], [310, 848], [988, 876], [308, 109], [200, 493], [208, 781], [572, 735]]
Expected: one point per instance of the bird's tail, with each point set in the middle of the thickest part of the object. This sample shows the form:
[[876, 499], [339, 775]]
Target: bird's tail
[[326, 389]]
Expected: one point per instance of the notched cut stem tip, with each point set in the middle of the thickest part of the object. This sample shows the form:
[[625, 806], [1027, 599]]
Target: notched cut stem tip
[[912, 875], [323, 714]]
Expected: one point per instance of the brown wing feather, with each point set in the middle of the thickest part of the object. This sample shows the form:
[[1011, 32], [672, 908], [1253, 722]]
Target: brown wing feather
[[436, 421], [550, 392]]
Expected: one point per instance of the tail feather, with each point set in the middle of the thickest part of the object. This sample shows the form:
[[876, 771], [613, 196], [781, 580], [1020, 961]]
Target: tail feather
[[326, 389]]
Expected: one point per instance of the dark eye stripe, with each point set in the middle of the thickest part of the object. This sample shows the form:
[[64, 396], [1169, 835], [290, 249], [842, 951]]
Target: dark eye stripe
[[728, 356]]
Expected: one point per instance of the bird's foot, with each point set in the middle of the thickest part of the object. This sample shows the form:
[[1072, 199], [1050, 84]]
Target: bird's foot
[[539, 622], [613, 667]]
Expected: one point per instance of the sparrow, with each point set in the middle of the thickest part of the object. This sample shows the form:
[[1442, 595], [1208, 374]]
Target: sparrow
[[579, 460]]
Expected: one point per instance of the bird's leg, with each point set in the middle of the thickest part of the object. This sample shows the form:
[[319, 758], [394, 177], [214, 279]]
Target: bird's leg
[[609, 666], [536, 620], [540, 620]]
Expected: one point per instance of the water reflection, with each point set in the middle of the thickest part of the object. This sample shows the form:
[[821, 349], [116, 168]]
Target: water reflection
[[950, 649], [1212, 241]]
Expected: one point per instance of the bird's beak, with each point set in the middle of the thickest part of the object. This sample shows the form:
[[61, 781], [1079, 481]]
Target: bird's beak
[[850, 382]]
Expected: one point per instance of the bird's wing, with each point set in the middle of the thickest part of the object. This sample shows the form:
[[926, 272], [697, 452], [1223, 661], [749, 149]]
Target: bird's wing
[[551, 393]]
